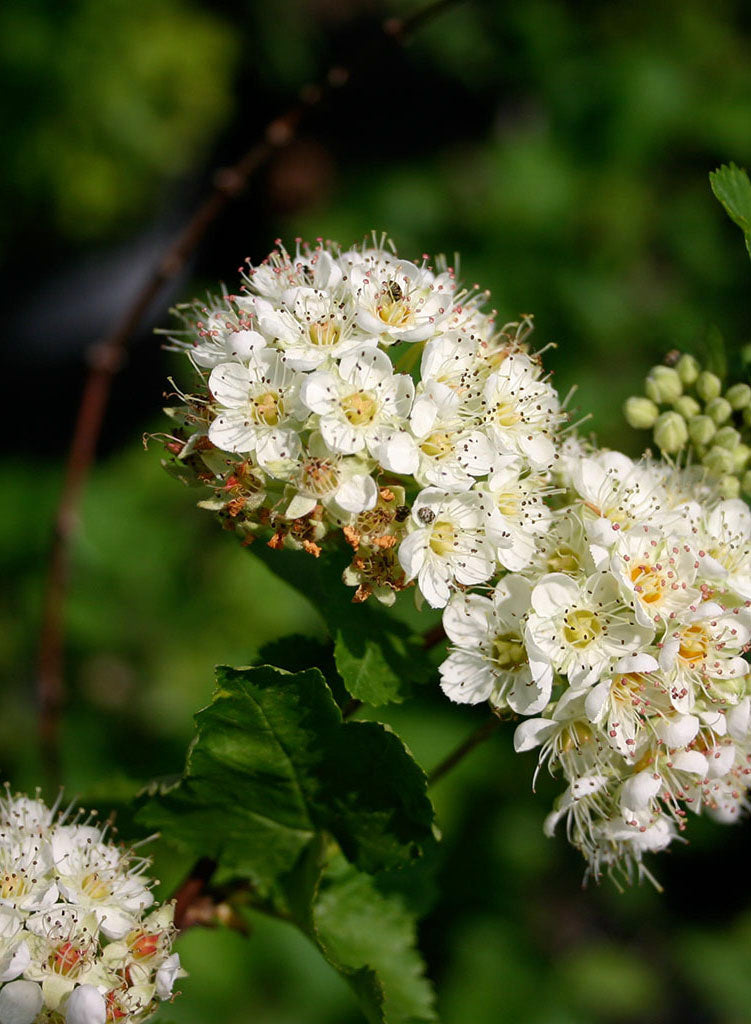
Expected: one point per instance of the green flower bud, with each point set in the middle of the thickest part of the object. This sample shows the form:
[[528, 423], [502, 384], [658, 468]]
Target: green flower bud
[[741, 454], [708, 386], [663, 385], [687, 406], [730, 487], [688, 368], [727, 437], [746, 482], [718, 461], [701, 429], [739, 396], [640, 412], [670, 432], [719, 409]]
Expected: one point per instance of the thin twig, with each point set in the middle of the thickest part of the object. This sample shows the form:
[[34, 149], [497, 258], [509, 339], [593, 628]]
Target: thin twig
[[467, 746], [105, 360], [192, 890], [433, 637]]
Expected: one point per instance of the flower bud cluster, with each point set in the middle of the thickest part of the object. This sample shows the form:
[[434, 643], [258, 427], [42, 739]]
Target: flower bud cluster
[[76, 946], [688, 408], [622, 644], [357, 395]]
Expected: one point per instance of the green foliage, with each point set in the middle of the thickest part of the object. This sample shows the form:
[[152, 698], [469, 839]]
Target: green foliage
[[161, 77], [732, 187], [273, 767], [379, 658], [272, 776], [371, 938]]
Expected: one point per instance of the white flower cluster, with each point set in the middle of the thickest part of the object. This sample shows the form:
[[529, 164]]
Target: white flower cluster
[[309, 419], [75, 944], [606, 601], [623, 643]]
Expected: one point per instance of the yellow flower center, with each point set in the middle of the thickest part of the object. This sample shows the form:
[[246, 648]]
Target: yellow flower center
[[693, 645], [575, 736], [442, 538], [267, 408], [581, 628], [12, 884], [437, 445], [95, 887], [320, 475], [509, 652], [624, 688], [563, 559], [507, 414], [324, 333], [649, 584], [360, 408], [508, 503], [66, 959]]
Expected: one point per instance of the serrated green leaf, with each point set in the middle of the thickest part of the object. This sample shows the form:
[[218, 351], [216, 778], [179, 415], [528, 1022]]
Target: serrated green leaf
[[379, 658], [371, 939], [731, 185], [272, 768]]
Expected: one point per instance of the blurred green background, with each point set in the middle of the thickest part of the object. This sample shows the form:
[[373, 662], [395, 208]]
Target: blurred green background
[[563, 150]]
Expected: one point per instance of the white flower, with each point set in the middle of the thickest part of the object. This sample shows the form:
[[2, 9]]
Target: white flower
[[258, 409], [518, 518], [361, 406], [342, 483], [520, 411], [726, 538], [583, 627], [311, 327], [451, 454], [96, 875], [657, 574], [705, 650], [489, 661], [447, 544], [396, 300]]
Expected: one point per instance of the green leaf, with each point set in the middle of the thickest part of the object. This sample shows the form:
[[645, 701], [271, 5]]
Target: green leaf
[[732, 187], [273, 768], [371, 939], [379, 658]]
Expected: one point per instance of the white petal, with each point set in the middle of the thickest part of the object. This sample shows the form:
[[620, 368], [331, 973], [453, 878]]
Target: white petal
[[85, 1005], [637, 662], [692, 761], [20, 1002], [166, 975], [466, 678], [14, 962], [640, 790], [532, 733], [553, 594], [412, 553], [358, 494], [677, 731]]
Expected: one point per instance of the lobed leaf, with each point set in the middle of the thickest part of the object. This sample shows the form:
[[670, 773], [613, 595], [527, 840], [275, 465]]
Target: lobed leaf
[[273, 767], [379, 658], [731, 185]]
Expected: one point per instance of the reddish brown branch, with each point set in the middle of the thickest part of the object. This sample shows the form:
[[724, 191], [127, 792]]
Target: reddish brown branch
[[106, 357], [467, 746]]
